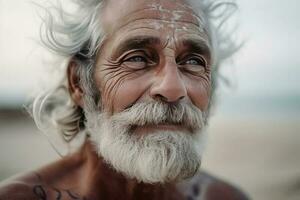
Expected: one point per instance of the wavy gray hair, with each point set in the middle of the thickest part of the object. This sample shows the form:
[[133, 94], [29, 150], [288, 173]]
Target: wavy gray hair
[[78, 36]]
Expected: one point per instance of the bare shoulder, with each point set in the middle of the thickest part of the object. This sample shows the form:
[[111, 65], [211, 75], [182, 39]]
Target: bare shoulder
[[19, 188], [33, 186], [207, 187]]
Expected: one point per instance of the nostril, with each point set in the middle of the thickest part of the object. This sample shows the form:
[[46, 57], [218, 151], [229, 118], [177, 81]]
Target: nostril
[[160, 97], [180, 98]]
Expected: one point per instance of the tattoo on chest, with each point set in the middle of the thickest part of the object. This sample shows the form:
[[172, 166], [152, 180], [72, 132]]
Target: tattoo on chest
[[39, 191], [58, 194], [43, 194]]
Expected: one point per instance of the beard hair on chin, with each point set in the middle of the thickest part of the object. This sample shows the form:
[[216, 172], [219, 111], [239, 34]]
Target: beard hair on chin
[[158, 157]]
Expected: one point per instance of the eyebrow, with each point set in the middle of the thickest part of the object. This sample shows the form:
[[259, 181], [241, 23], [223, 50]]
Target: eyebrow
[[136, 43], [198, 45], [193, 44]]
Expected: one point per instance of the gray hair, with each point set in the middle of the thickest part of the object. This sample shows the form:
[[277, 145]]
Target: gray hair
[[78, 36], [151, 158]]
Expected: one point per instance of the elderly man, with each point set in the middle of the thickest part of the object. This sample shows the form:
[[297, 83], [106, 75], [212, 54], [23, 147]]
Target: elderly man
[[135, 101]]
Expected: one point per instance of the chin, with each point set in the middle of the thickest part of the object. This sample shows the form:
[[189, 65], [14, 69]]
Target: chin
[[160, 150], [156, 157]]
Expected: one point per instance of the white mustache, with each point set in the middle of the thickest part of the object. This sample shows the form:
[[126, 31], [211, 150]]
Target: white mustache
[[161, 157], [155, 112]]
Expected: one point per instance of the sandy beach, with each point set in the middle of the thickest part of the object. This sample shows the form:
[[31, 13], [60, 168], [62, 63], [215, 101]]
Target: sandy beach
[[261, 156]]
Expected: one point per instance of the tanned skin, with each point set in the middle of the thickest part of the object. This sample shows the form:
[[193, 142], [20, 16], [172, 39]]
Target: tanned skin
[[83, 176], [153, 49]]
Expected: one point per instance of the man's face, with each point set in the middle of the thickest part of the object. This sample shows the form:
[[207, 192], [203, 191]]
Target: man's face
[[154, 50], [153, 74]]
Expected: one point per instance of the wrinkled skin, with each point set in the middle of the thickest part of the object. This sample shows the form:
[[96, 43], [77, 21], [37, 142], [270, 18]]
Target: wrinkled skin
[[154, 50]]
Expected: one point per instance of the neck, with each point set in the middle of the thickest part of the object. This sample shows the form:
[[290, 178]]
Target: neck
[[103, 182]]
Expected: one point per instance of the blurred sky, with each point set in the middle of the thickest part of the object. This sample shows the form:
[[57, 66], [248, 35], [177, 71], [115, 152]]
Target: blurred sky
[[265, 72]]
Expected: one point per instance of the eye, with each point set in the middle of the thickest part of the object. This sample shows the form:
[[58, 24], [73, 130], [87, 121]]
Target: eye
[[195, 61], [136, 59], [193, 64]]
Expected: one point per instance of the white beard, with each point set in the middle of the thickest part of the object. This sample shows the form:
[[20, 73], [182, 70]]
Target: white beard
[[157, 157]]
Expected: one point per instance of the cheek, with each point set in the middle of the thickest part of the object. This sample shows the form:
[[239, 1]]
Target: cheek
[[199, 92], [126, 92]]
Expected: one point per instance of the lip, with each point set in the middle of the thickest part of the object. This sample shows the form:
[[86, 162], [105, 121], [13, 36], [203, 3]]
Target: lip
[[159, 127]]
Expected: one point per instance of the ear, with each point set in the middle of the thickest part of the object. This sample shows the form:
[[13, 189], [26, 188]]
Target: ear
[[74, 86]]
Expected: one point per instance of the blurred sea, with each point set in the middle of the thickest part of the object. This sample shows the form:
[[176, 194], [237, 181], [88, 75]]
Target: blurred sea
[[262, 106]]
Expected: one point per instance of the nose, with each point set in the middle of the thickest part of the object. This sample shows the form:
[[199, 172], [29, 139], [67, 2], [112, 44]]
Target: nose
[[169, 85]]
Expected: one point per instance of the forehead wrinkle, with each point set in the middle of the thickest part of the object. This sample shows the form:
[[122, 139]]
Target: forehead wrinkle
[[160, 6], [131, 17], [182, 8], [187, 17], [141, 28], [179, 12], [162, 21], [178, 16], [155, 23]]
